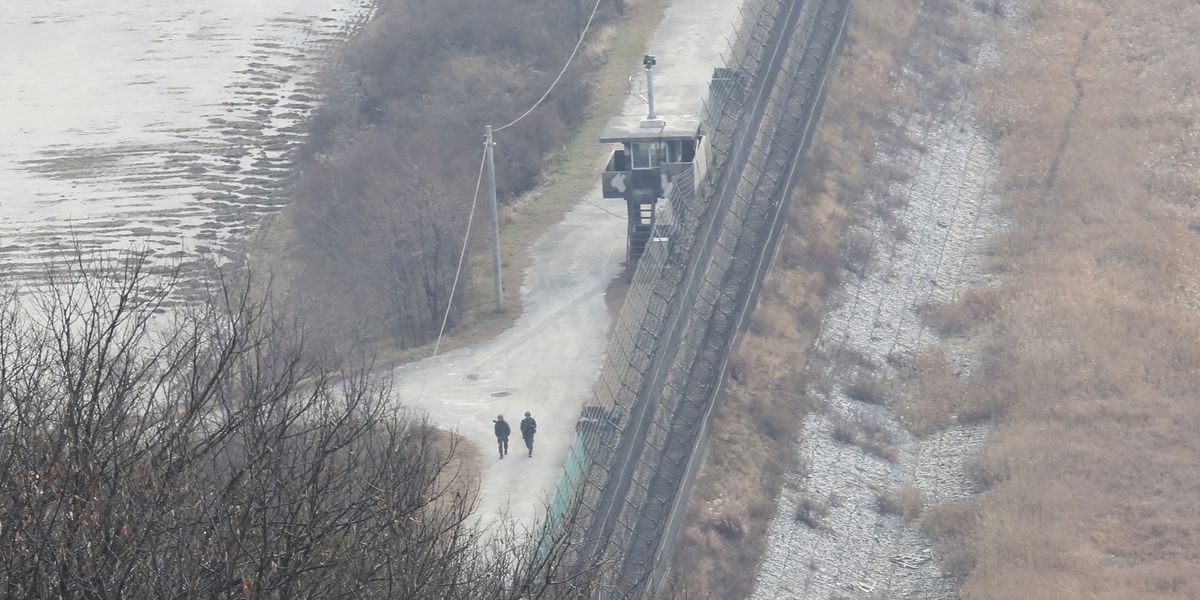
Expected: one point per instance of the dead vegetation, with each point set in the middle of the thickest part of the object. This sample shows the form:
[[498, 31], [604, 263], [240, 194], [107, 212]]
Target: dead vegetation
[[907, 502], [935, 394], [972, 307], [952, 528], [811, 512], [765, 400], [867, 433], [1089, 347], [868, 389], [212, 454], [369, 244]]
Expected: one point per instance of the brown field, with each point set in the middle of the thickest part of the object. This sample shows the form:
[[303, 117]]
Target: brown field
[[764, 402], [1091, 345]]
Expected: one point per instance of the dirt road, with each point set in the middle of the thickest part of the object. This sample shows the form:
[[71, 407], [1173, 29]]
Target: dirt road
[[547, 362]]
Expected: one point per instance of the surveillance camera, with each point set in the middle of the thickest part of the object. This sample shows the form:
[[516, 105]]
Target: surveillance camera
[[648, 60]]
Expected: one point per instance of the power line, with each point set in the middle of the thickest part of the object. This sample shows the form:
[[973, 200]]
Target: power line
[[587, 26], [483, 160], [597, 206], [479, 178], [458, 271], [479, 181], [461, 256]]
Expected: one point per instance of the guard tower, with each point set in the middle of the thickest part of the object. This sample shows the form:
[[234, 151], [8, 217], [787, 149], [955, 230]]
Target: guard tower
[[654, 150]]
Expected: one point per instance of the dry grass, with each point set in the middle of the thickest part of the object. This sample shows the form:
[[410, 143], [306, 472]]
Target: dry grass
[[908, 502], [935, 394], [1092, 345], [952, 528], [866, 433], [756, 435], [868, 389], [972, 307], [811, 512]]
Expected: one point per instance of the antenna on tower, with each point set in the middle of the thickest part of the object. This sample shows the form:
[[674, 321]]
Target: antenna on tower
[[651, 119]]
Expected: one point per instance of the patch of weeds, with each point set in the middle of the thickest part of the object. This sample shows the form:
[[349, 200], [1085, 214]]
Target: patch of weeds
[[843, 432], [994, 8], [811, 512], [858, 254], [984, 474], [866, 433], [951, 527], [880, 444], [851, 357], [907, 502], [884, 213], [801, 469], [730, 527], [869, 390], [877, 440], [899, 360]]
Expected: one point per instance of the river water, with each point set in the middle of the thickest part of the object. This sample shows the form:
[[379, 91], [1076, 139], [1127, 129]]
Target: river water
[[163, 126]]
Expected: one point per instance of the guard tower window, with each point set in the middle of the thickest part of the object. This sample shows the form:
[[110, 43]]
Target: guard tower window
[[673, 152], [647, 155], [680, 151]]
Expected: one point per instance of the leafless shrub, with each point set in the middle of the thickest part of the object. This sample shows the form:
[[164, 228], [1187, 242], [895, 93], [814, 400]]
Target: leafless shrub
[[811, 512], [730, 526], [858, 254], [984, 474], [212, 455], [937, 395], [891, 173], [844, 432], [876, 439], [908, 502], [771, 318], [868, 389], [952, 526], [866, 433], [385, 183], [854, 357], [972, 307], [901, 361]]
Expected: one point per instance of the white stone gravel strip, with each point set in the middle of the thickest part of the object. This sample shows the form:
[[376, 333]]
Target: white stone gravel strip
[[845, 547]]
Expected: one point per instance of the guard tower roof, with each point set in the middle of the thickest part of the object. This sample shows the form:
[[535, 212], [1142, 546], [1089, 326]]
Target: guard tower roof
[[635, 128]]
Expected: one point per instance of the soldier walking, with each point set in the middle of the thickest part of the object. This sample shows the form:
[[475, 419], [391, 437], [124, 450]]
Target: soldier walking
[[528, 428], [502, 433]]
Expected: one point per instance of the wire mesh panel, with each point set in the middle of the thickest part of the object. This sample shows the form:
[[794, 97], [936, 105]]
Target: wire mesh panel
[[638, 437]]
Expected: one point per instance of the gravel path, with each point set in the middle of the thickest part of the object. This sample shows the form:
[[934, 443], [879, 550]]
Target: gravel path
[[920, 246], [547, 362]]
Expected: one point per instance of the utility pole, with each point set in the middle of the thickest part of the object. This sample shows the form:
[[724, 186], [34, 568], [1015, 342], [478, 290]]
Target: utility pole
[[491, 166]]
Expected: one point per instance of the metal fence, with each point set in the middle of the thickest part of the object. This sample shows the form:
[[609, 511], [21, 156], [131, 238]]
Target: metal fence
[[643, 432]]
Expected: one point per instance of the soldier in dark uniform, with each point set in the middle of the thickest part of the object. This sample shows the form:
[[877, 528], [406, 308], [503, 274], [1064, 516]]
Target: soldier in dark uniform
[[502, 433], [528, 428]]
